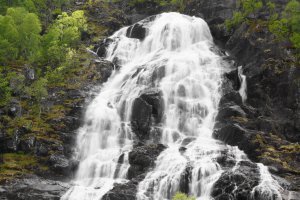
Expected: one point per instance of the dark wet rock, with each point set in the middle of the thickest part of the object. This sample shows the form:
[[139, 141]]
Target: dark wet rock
[[185, 179], [230, 111], [137, 31], [122, 192], [154, 98], [104, 68], [61, 165], [146, 109], [235, 135], [141, 117], [226, 160], [215, 13], [141, 158], [33, 188], [233, 77], [100, 48], [237, 184], [233, 98]]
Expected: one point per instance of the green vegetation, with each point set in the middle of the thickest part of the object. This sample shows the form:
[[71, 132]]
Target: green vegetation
[[17, 164], [36, 35], [5, 90], [281, 154], [182, 196], [22, 43], [245, 9], [285, 25]]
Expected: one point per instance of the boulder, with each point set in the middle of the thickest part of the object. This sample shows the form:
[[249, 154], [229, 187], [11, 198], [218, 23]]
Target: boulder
[[141, 158], [104, 68], [141, 118], [100, 48], [154, 98], [125, 191], [147, 109], [235, 135], [137, 31]]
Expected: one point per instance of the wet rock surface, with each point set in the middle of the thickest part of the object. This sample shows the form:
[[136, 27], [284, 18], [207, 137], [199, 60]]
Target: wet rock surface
[[141, 159], [237, 183], [33, 188], [136, 31], [147, 110]]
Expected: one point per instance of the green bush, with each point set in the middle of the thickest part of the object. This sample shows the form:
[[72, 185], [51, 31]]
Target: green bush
[[5, 91], [246, 8], [287, 27], [182, 196]]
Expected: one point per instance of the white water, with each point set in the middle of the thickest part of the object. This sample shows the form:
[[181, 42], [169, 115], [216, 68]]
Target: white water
[[183, 46], [268, 188], [243, 81]]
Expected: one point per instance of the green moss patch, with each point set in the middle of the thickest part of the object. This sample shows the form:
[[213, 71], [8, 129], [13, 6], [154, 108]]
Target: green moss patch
[[17, 164]]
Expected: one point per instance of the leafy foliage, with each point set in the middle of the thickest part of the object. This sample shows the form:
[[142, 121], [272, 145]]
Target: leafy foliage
[[247, 8], [182, 196], [64, 33], [288, 26], [19, 34], [5, 91]]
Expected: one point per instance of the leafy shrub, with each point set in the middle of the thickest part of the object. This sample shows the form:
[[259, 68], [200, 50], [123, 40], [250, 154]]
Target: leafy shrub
[[5, 91], [246, 8], [288, 26], [182, 196]]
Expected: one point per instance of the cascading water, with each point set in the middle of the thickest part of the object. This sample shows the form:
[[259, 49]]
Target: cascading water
[[190, 84], [243, 88]]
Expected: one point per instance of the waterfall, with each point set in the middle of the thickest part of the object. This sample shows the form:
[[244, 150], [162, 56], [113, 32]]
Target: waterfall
[[243, 88], [190, 83]]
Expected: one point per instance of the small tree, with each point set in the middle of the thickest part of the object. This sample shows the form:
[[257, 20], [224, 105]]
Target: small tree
[[38, 92]]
